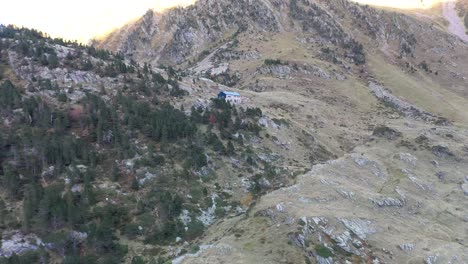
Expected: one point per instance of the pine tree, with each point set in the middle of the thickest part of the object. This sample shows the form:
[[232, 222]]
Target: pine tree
[[9, 96], [135, 185], [115, 173], [10, 180], [43, 60], [195, 115], [43, 213], [52, 60], [138, 260], [71, 208], [164, 137], [99, 130], [3, 214], [28, 208], [14, 259], [250, 161], [230, 148], [88, 194]]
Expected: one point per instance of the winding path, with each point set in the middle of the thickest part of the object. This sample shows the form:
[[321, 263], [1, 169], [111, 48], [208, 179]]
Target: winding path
[[456, 26]]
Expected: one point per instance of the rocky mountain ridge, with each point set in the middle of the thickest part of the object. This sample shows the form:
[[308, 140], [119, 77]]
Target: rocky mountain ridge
[[182, 34]]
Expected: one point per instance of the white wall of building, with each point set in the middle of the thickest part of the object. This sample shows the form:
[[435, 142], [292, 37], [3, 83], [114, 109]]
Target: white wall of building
[[233, 99]]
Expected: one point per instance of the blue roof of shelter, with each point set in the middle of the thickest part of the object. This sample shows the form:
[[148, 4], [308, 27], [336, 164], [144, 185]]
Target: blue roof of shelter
[[231, 93]]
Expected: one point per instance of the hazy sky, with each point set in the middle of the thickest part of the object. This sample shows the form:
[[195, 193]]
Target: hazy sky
[[77, 19], [83, 19], [403, 3]]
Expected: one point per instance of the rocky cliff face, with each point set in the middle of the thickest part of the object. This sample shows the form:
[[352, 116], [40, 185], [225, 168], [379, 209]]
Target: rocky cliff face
[[183, 34]]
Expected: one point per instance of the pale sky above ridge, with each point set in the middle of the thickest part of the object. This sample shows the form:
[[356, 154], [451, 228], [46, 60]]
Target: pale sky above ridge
[[81, 20]]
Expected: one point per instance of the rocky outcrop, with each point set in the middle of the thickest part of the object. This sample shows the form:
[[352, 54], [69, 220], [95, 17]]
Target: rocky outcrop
[[408, 247], [178, 34], [464, 186], [388, 202], [442, 151], [18, 243], [407, 158], [280, 71], [360, 227], [322, 260], [360, 206], [399, 104]]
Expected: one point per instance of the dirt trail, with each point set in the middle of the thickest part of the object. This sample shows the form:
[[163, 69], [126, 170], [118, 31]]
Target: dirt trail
[[456, 26]]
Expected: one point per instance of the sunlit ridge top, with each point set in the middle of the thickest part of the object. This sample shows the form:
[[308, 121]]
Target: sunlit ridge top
[[403, 4]]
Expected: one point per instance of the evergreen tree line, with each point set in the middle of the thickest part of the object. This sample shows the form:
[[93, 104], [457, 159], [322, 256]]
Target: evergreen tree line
[[41, 144], [39, 46]]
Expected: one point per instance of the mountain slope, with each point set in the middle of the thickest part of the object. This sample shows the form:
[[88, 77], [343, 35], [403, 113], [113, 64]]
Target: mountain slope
[[104, 160], [303, 32], [350, 143], [385, 90]]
